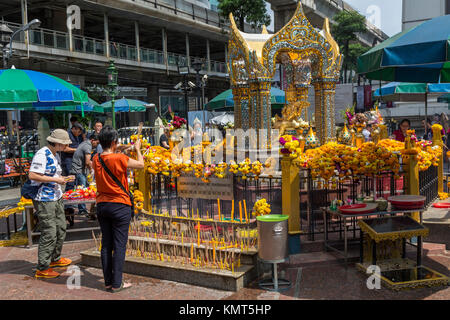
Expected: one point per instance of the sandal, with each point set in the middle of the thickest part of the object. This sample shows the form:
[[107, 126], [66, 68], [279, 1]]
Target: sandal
[[122, 287]]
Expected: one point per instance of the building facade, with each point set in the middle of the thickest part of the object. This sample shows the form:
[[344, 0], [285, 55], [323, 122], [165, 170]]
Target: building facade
[[417, 11]]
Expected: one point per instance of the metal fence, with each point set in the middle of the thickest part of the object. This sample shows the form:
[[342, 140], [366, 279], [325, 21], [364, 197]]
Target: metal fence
[[60, 40], [165, 198], [428, 184]]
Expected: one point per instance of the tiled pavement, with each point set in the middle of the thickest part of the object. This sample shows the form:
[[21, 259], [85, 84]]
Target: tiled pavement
[[311, 281], [316, 277]]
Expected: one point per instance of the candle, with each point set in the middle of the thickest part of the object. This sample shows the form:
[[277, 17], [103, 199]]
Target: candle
[[218, 206], [232, 210], [240, 212], [192, 252], [245, 210], [182, 242], [198, 233], [214, 252], [197, 214]]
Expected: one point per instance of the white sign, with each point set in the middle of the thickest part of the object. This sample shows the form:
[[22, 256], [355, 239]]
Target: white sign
[[192, 187]]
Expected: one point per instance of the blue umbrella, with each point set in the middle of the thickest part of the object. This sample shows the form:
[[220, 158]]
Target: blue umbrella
[[420, 54], [126, 105]]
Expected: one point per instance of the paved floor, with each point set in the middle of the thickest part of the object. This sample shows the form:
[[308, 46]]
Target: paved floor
[[310, 276], [310, 281]]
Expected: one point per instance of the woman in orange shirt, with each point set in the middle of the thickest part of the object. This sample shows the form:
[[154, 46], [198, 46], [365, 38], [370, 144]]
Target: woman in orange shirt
[[114, 205]]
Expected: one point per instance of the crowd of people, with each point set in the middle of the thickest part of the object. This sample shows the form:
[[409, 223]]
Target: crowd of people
[[67, 160]]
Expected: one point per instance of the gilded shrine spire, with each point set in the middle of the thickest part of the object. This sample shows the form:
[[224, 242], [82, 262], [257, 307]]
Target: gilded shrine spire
[[307, 55]]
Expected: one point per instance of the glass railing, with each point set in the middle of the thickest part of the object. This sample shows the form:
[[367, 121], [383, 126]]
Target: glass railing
[[60, 40]]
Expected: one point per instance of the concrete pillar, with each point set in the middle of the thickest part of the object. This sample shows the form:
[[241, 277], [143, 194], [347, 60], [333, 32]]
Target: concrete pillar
[[226, 52], [164, 45], [188, 54], [208, 56], [153, 97], [106, 28], [136, 35], [24, 9]]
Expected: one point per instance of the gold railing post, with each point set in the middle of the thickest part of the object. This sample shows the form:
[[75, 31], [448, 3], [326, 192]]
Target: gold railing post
[[411, 167], [143, 180], [290, 188], [437, 141]]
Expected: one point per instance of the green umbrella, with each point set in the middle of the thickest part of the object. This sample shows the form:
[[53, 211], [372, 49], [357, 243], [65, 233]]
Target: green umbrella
[[420, 54], [225, 100]]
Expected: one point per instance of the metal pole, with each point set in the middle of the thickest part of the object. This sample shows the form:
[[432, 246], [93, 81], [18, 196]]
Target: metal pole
[[113, 112], [426, 110], [203, 103]]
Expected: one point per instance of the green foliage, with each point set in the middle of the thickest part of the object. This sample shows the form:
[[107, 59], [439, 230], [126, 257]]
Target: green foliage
[[354, 51], [56, 120], [344, 31], [252, 11]]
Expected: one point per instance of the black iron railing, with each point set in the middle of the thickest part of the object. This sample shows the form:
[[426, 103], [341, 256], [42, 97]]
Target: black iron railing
[[428, 184]]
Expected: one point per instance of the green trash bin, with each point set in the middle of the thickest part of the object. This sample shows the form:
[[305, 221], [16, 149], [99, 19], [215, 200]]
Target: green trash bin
[[273, 237]]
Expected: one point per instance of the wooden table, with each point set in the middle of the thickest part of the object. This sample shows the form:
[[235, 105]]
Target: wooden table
[[29, 210], [346, 217]]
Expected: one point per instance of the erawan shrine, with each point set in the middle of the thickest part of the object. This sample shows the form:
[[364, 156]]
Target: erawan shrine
[[224, 221]]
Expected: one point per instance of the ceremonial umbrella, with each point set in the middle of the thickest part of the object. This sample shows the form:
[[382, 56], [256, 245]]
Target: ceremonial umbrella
[[127, 105], [420, 54], [225, 100], [28, 90]]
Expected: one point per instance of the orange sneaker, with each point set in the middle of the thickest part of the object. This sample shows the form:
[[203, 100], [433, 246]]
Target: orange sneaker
[[62, 262], [49, 273]]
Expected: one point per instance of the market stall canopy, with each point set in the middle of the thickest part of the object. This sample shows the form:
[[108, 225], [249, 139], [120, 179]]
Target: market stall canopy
[[420, 54], [444, 98], [28, 90], [127, 105], [411, 92], [91, 106], [223, 119], [225, 100]]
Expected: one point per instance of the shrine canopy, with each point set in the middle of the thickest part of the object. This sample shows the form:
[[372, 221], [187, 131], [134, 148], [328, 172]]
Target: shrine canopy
[[410, 92], [420, 54]]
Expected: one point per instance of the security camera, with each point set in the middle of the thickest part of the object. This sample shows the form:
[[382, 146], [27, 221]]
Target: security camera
[[178, 86], [191, 84], [205, 78]]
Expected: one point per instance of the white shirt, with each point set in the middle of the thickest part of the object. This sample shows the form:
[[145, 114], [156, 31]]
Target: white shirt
[[44, 162]]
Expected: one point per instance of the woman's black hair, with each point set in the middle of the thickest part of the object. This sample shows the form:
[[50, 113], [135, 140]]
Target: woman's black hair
[[405, 120], [107, 136]]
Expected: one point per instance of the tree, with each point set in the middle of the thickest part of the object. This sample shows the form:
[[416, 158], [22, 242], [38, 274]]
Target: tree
[[252, 11], [347, 25], [354, 51]]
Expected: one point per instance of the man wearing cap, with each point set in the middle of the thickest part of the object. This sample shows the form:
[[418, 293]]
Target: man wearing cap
[[45, 170]]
